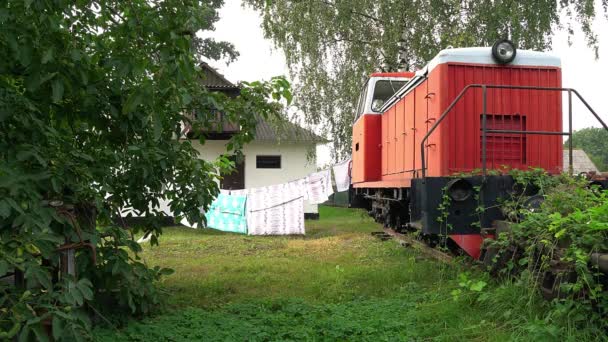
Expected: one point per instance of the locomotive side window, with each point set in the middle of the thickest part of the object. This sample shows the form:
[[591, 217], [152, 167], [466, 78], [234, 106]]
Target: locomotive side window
[[383, 91], [362, 100]]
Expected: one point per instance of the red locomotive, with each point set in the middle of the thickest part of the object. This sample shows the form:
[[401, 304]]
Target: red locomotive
[[468, 110]]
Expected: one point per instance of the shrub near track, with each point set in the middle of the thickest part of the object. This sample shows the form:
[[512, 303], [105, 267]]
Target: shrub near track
[[558, 239]]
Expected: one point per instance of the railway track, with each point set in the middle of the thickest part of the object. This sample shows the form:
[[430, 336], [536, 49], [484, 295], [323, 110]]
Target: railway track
[[409, 241]]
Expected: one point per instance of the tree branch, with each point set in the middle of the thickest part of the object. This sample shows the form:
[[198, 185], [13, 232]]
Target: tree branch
[[331, 4]]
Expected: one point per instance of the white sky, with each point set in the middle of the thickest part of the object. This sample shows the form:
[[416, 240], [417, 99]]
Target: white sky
[[260, 61]]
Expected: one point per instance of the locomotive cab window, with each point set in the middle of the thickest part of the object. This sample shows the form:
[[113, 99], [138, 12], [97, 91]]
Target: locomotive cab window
[[268, 162], [383, 91], [362, 100]]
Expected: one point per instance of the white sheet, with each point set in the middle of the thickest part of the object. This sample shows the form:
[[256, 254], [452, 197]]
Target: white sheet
[[319, 186], [342, 175], [276, 210]]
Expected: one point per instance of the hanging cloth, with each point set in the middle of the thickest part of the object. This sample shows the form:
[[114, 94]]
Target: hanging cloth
[[342, 175], [242, 192], [276, 210], [319, 186], [227, 213], [297, 188]]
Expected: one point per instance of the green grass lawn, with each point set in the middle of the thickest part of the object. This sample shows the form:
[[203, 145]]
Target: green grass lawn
[[336, 283]]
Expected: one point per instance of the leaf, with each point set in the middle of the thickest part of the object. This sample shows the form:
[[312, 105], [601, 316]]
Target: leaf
[[47, 78], [134, 100], [186, 99], [84, 285], [25, 334], [47, 56], [39, 333], [25, 55], [5, 209], [478, 286], [57, 86], [37, 273], [158, 126], [76, 294], [3, 268], [116, 268], [75, 54], [58, 325]]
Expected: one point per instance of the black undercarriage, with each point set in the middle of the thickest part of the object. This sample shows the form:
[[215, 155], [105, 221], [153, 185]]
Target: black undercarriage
[[440, 206]]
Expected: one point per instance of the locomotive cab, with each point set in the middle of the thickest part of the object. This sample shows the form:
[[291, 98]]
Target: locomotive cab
[[378, 89]]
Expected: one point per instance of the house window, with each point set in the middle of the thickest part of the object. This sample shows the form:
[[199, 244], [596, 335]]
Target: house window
[[268, 162]]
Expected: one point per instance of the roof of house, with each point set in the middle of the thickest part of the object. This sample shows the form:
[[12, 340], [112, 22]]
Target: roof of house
[[279, 130], [580, 162], [285, 130], [214, 80]]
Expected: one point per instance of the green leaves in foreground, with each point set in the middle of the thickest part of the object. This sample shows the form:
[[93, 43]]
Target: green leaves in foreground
[[94, 99], [417, 316], [556, 241]]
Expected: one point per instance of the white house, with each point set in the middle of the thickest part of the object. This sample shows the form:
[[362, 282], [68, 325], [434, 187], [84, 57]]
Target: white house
[[271, 158]]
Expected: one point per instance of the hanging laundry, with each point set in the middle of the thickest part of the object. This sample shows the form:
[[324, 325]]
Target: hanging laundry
[[227, 213], [242, 192], [319, 186], [293, 213], [276, 210], [296, 189], [342, 175], [283, 219]]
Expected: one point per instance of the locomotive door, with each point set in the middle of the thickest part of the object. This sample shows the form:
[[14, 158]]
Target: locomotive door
[[420, 124], [433, 112], [400, 138], [392, 140], [384, 143], [409, 133]]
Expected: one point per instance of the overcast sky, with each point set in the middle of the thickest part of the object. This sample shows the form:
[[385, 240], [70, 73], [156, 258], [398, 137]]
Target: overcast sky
[[259, 60]]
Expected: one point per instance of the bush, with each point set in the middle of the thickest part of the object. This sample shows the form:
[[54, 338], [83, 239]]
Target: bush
[[550, 247]]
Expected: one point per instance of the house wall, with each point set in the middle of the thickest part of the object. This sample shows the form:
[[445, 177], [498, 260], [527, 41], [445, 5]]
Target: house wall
[[294, 162]]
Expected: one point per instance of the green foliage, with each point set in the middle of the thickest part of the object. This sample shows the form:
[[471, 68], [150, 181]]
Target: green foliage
[[594, 141], [466, 284], [558, 239], [296, 320], [93, 98], [337, 283], [332, 45]]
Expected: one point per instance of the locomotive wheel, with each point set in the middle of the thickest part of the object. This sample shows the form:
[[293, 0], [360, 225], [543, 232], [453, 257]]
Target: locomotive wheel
[[387, 220], [398, 225]]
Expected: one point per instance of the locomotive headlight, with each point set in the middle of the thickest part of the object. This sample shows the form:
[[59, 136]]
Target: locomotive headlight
[[459, 189], [504, 51]]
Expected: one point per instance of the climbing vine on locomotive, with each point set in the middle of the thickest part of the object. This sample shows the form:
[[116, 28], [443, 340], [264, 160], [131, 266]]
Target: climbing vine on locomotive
[[468, 112]]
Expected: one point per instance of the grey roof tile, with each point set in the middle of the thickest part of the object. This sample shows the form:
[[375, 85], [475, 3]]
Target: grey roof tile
[[580, 162], [284, 130], [213, 79], [279, 130]]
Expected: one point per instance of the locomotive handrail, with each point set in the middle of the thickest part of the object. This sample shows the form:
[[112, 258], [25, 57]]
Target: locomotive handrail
[[485, 131]]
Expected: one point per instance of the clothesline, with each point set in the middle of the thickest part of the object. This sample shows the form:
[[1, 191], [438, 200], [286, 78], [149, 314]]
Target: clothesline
[[277, 205], [276, 209]]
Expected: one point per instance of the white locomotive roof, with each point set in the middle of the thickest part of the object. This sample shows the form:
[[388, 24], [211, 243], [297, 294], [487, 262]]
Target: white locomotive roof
[[483, 55], [474, 55]]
